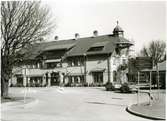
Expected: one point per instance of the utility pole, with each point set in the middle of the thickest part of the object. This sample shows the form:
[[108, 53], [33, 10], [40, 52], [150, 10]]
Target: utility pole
[[150, 87], [157, 79], [138, 80], [85, 66]]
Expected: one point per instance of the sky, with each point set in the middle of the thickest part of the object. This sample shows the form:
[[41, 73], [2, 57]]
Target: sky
[[142, 21]]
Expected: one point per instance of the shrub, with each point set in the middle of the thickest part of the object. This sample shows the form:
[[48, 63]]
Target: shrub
[[19, 85], [45, 85], [109, 86], [125, 88], [11, 85], [68, 84], [85, 84]]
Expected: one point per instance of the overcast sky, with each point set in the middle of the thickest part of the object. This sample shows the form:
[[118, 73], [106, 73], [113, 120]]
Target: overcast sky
[[142, 21]]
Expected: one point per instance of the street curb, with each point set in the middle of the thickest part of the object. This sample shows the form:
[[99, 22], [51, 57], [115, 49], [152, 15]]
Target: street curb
[[128, 109]]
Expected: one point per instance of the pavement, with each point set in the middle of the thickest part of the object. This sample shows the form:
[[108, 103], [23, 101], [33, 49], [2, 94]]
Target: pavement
[[154, 110], [70, 104]]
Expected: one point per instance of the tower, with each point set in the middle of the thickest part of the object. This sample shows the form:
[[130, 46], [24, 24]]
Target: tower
[[118, 31]]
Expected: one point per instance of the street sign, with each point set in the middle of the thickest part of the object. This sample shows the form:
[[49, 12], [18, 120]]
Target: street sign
[[143, 63]]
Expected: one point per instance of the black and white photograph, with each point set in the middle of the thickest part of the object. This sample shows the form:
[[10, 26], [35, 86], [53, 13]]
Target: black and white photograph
[[83, 60]]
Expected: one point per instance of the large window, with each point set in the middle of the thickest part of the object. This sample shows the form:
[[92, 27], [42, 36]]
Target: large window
[[54, 65], [98, 77], [114, 76], [34, 65], [76, 79], [76, 62]]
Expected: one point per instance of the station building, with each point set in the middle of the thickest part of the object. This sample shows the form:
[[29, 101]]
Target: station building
[[93, 60]]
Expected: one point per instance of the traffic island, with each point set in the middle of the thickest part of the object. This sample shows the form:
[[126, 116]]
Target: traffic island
[[11, 99], [155, 111]]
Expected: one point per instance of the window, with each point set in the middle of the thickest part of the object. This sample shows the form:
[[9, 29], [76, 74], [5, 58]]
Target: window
[[99, 48], [114, 76], [76, 79], [54, 65], [58, 65], [76, 62], [124, 61], [70, 79], [114, 61], [118, 51]]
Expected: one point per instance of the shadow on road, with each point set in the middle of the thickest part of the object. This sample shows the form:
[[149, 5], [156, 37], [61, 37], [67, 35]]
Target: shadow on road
[[101, 103]]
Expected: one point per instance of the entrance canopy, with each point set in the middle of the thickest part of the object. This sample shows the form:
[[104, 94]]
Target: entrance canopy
[[97, 70], [53, 60]]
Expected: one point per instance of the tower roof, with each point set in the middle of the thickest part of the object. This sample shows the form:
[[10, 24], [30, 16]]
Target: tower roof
[[117, 28]]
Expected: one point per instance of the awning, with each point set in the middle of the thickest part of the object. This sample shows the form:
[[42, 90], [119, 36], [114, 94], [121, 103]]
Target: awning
[[36, 75], [147, 70], [97, 70], [53, 60], [75, 74]]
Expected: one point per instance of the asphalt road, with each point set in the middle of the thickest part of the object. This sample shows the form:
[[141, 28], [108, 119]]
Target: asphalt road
[[70, 104]]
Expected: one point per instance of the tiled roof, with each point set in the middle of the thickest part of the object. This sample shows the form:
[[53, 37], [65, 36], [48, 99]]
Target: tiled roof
[[34, 50], [58, 47], [84, 44], [97, 44], [118, 29], [77, 47]]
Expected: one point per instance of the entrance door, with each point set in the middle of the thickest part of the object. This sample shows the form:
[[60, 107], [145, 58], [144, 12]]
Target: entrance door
[[98, 77], [55, 80]]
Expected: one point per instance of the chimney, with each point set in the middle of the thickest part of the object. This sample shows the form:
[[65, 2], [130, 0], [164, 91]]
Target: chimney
[[76, 36], [56, 37], [95, 33]]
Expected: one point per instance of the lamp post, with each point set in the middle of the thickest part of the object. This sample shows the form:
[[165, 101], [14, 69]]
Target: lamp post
[[109, 68], [25, 92]]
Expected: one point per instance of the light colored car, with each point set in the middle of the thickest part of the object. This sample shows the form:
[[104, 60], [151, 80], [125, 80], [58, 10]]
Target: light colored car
[[133, 88], [117, 86]]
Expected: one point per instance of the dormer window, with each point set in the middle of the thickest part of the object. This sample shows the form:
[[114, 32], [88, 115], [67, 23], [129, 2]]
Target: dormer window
[[99, 48]]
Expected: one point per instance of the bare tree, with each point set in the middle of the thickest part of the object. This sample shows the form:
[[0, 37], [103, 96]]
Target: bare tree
[[155, 50], [22, 23]]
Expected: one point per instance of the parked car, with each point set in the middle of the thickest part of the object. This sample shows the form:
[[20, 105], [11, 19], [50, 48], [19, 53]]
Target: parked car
[[117, 86], [125, 88], [109, 86]]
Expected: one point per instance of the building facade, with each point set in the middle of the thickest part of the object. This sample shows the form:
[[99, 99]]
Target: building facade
[[92, 60]]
